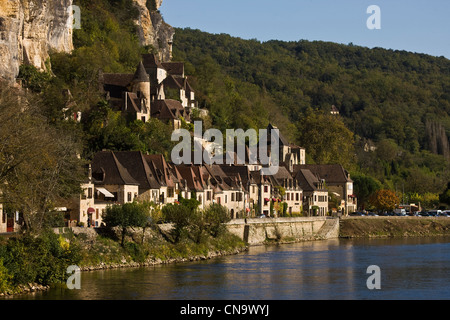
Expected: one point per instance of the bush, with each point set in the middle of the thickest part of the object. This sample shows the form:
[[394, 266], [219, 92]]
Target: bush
[[43, 259], [131, 214], [182, 217], [214, 217]]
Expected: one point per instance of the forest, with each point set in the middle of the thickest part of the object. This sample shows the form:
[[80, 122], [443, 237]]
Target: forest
[[392, 130], [394, 106]]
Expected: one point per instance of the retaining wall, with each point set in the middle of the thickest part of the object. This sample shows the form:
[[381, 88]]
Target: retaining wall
[[261, 231]]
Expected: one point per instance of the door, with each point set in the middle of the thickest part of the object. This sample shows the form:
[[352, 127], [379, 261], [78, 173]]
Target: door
[[10, 225]]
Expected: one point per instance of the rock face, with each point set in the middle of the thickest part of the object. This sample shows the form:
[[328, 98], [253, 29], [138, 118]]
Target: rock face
[[29, 30], [153, 31]]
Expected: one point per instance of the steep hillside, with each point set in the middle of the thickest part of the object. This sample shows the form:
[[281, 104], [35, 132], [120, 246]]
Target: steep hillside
[[396, 103]]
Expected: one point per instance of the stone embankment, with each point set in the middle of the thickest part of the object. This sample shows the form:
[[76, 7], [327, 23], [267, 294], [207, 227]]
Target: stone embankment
[[284, 230], [373, 227]]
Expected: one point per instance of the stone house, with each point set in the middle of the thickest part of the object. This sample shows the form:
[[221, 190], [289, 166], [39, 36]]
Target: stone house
[[337, 181], [108, 183], [264, 196], [286, 189], [234, 182], [141, 96], [315, 196]]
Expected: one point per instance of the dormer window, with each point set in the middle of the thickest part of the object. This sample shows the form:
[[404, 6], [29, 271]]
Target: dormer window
[[99, 174]]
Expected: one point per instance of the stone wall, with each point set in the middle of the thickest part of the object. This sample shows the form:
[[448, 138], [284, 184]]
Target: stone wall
[[261, 231]]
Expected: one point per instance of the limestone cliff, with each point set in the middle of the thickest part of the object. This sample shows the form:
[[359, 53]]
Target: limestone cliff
[[29, 30], [152, 30]]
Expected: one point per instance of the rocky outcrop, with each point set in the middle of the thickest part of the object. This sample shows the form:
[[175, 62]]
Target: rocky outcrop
[[29, 30], [153, 30]]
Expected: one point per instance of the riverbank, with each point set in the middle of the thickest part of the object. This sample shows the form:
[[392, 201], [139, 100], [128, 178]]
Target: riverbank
[[379, 227], [95, 249]]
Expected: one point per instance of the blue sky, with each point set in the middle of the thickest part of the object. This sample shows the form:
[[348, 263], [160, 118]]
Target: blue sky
[[411, 25]]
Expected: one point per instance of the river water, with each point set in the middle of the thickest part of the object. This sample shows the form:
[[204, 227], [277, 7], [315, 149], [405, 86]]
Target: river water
[[410, 268]]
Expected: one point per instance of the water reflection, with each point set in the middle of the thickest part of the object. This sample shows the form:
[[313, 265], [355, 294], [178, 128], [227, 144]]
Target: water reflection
[[334, 269]]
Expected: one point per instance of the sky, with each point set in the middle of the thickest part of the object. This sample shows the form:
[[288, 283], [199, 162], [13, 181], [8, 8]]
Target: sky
[[412, 25]]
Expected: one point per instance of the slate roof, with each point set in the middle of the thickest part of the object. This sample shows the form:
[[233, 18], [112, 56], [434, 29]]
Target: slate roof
[[174, 68], [307, 180], [106, 163], [141, 74], [138, 168], [331, 173]]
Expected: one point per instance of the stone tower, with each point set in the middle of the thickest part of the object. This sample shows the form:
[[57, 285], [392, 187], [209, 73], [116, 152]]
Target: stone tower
[[141, 86]]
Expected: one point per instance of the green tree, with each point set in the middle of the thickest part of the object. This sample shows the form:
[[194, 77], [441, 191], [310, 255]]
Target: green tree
[[444, 197], [39, 163], [131, 214], [327, 139], [364, 187], [215, 216]]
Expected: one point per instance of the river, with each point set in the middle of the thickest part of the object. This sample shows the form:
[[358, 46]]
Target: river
[[409, 268]]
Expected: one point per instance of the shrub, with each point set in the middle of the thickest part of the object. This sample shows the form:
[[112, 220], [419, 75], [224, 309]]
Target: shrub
[[43, 259], [214, 217]]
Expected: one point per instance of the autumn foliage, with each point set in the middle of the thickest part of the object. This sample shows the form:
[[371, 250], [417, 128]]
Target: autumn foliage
[[384, 200]]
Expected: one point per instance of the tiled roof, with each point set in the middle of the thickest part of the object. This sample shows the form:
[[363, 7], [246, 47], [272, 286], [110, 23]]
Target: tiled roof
[[114, 172], [331, 173]]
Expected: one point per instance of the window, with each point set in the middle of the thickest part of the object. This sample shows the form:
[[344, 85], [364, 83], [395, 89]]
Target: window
[[266, 188], [297, 196], [208, 195], [129, 197], [288, 197], [226, 198], [170, 192], [232, 197], [89, 193]]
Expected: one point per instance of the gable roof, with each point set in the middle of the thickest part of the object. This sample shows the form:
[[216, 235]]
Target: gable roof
[[114, 173], [149, 60], [117, 79], [161, 170], [331, 173], [138, 168], [174, 68], [307, 180]]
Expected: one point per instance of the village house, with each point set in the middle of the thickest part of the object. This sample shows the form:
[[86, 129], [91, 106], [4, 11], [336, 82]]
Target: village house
[[264, 196], [315, 196], [289, 154], [338, 182], [109, 183], [142, 95], [236, 182], [287, 190]]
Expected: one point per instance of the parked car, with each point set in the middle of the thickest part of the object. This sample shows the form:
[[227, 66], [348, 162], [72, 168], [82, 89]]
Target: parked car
[[373, 214], [434, 213], [400, 212], [354, 214], [424, 214]]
